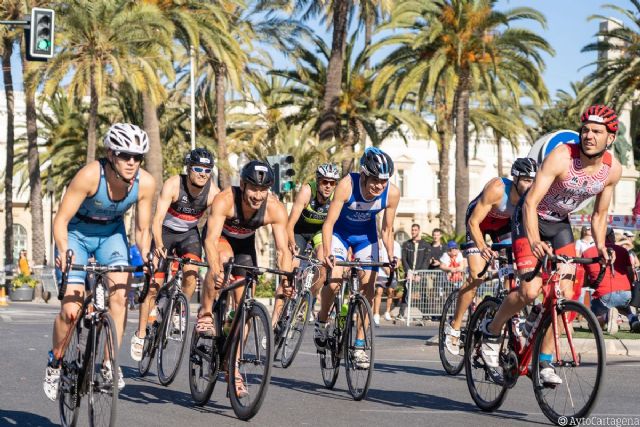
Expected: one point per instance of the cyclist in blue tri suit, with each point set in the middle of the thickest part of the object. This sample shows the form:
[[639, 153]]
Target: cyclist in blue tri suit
[[351, 224], [488, 214], [90, 221]]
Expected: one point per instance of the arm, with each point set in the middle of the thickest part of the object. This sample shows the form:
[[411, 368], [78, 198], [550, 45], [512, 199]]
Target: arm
[[278, 220], [491, 196], [168, 195], [84, 184], [340, 196], [221, 207], [302, 199], [443, 263], [393, 198], [144, 207], [553, 167], [601, 209]]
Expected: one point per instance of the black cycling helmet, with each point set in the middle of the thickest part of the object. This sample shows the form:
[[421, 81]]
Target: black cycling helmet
[[258, 173], [524, 167], [199, 156], [375, 162]]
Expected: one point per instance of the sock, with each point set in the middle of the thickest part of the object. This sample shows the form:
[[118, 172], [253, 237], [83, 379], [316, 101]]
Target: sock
[[359, 343], [544, 357]]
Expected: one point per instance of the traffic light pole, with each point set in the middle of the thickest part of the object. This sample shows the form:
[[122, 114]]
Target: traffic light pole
[[22, 23]]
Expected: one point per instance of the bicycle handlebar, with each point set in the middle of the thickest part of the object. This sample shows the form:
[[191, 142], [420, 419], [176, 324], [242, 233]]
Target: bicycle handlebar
[[229, 265], [555, 259], [186, 261], [148, 277]]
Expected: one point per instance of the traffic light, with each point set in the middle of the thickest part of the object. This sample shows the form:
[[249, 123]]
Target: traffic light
[[41, 33], [282, 165], [286, 173]]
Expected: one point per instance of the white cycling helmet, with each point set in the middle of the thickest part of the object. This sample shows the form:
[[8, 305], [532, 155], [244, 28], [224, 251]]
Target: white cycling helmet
[[328, 171], [127, 138]]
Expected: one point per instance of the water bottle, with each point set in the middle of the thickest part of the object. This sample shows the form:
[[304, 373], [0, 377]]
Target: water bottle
[[100, 297], [531, 319]]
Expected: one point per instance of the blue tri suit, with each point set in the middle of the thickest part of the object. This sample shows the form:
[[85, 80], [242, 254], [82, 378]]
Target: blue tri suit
[[356, 225]]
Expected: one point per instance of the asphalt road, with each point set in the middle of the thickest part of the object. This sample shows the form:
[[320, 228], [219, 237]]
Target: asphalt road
[[409, 387]]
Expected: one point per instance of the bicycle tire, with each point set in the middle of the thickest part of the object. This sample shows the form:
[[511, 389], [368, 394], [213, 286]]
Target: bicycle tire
[[204, 365], [168, 368], [593, 342], [278, 338], [330, 358], [252, 353], [69, 388], [359, 308], [104, 344], [452, 364], [473, 360], [296, 326], [148, 350]]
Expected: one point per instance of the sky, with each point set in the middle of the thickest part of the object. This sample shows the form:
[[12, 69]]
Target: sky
[[568, 31]]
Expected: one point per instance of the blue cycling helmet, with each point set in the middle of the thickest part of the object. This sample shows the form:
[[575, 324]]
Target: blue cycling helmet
[[377, 163]]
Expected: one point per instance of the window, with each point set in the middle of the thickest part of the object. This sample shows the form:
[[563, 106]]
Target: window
[[19, 241]]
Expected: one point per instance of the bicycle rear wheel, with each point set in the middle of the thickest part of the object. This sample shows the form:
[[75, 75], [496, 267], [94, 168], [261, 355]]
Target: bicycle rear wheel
[[69, 388], [148, 350], [103, 388], [172, 339], [295, 330], [451, 363], [280, 331], [330, 358], [359, 348], [581, 376], [204, 365], [252, 345], [486, 385]]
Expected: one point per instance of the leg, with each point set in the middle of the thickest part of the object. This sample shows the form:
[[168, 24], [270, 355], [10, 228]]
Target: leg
[[377, 300], [148, 303], [390, 295], [71, 304], [118, 301], [467, 292]]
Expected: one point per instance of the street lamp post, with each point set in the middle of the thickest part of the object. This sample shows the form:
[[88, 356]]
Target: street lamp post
[[50, 192]]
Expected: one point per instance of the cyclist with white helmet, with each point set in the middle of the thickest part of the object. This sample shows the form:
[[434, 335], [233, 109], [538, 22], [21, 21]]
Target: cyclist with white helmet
[[351, 224], [488, 214], [182, 202], [569, 175], [90, 221], [309, 212]]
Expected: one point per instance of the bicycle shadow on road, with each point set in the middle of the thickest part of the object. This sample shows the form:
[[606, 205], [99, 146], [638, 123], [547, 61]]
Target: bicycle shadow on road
[[25, 419], [408, 369], [316, 389]]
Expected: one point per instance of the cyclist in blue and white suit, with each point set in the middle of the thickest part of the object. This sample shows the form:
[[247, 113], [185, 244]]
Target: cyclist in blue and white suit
[[351, 224]]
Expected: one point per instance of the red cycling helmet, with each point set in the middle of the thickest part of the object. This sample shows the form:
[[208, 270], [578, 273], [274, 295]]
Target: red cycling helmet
[[603, 115]]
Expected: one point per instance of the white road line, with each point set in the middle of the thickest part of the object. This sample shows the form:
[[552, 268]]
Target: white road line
[[5, 317]]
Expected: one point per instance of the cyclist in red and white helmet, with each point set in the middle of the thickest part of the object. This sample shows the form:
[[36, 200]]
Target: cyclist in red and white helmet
[[568, 176]]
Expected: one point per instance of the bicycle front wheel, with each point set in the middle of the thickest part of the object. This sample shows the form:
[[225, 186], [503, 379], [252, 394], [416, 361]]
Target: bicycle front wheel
[[204, 365], [148, 350], [359, 349], [486, 385], [103, 382], [295, 330], [452, 363], [251, 357], [69, 388], [580, 363], [172, 341]]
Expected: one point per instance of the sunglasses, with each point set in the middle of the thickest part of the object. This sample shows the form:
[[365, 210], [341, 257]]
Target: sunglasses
[[328, 182], [200, 169], [128, 156]]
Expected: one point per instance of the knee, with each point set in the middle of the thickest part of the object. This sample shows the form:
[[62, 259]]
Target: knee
[[528, 294], [69, 312], [117, 300]]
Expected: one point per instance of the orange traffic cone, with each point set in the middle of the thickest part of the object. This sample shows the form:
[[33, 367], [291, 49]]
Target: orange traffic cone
[[3, 298]]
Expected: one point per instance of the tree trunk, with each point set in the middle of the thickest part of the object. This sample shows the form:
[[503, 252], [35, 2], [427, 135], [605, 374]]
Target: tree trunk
[[498, 137], [38, 250], [154, 156], [462, 150], [368, 33], [93, 116], [220, 71], [443, 181], [351, 139], [329, 118], [8, 172]]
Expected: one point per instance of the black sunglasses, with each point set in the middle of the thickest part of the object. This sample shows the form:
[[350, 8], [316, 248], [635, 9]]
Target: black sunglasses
[[128, 156]]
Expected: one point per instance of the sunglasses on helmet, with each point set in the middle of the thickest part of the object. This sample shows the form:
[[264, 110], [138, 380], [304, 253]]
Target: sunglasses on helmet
[[200, 169], [128, 156]]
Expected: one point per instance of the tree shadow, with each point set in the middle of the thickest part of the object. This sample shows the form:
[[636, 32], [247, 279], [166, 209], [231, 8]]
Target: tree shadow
[[25, 419]]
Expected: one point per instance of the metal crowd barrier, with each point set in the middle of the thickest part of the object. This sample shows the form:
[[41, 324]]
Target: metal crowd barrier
[[428, 290]]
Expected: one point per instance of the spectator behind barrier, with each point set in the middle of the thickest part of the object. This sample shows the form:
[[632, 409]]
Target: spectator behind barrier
[[453, 263], [436, 250]]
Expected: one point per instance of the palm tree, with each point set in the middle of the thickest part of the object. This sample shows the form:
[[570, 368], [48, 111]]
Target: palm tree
[[9, 10], [615, 80], [103, 41], [370, 14], [465, 43]]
